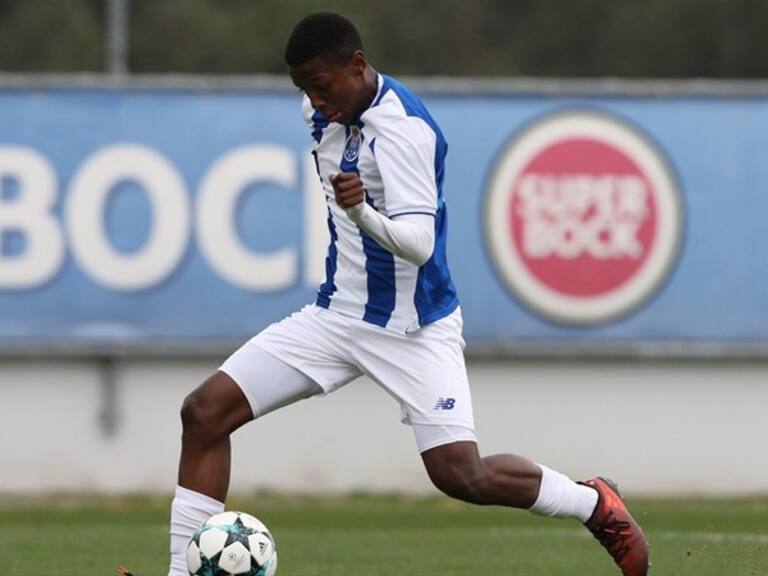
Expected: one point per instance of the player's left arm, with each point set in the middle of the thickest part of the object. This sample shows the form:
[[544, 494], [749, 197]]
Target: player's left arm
[[408, 236], [405, 149]]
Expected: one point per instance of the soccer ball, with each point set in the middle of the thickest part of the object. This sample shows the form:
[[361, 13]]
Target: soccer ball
[[232, 543]]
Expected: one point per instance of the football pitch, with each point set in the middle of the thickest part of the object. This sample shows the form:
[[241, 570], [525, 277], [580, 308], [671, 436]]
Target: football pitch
[[376, 535]]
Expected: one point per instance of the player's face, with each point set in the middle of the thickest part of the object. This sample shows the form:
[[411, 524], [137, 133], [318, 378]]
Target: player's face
[[337, 89]]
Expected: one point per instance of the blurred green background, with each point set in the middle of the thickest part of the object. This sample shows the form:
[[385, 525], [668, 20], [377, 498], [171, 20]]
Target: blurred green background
[[555, 38]]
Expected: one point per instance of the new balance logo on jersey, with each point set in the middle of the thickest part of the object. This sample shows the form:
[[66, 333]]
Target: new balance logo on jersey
[[444, 404]]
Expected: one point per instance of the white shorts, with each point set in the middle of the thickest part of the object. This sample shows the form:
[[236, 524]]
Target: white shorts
[[323, 350]]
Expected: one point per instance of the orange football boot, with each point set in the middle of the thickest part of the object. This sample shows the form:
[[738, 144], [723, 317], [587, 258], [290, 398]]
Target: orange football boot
[[613, 526]]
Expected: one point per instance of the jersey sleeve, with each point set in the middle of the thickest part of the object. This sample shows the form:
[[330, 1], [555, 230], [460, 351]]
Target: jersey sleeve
[[307, 111], [411, 237], [405, 150]]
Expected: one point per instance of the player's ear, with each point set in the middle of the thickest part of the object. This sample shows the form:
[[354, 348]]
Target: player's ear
[[358, 62]]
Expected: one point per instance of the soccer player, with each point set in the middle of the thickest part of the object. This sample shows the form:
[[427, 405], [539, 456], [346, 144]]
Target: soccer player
[[388, 309]]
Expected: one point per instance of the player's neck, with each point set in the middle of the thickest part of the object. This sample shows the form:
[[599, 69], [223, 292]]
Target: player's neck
[[371, 80]]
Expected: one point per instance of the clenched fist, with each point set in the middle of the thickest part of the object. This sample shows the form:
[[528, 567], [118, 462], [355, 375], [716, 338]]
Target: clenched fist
[[348, 189]]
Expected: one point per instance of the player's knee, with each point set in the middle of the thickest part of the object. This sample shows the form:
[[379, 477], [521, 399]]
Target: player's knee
[[457, 470], [198, 419], [463, 480]]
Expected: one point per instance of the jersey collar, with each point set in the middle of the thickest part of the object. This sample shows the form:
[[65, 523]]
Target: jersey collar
[[374, 102]]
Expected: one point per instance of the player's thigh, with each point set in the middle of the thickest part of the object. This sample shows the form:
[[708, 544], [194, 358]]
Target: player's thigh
[[431, 436], [266, 382], [314, 341], [425, 372]]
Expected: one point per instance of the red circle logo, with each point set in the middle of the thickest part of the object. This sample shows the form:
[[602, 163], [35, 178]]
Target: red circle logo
[[583, 217]]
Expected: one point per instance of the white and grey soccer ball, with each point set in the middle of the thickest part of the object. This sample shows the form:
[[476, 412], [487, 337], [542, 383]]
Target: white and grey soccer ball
[[232, 543]]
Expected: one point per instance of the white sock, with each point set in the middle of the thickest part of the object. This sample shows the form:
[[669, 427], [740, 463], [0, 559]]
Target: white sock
[[188, 510], [561, 497]]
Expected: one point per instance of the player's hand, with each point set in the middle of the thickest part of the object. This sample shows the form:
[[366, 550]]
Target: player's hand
[[348, 189]]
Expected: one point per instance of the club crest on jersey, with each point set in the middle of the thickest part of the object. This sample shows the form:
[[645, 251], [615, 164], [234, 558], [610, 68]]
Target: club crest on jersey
[[354, 142]]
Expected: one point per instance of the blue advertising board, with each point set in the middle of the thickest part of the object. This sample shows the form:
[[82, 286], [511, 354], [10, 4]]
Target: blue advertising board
[[194, 216]]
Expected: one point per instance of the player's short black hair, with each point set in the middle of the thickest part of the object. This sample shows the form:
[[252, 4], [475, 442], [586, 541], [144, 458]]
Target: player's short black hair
[[322, 34]]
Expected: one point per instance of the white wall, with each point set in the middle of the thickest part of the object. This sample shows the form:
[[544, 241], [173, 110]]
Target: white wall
[[657, 428]]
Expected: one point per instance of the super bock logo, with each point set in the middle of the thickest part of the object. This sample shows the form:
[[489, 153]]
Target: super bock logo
[[583, 217]]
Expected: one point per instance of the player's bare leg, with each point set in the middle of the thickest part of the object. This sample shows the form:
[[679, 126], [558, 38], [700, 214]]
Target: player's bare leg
[[209, 415], [503, 479], [508, 480]]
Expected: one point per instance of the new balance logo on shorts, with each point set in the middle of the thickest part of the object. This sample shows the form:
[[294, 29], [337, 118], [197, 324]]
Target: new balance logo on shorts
[[444, 404]]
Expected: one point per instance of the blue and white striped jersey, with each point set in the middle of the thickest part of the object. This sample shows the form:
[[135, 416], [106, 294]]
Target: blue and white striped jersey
[[398, 151]]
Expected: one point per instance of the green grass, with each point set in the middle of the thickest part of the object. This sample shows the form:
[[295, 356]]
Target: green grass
[[367, 536]]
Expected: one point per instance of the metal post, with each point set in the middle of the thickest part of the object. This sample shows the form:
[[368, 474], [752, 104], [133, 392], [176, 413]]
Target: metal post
[[109, 414], [117, 37]]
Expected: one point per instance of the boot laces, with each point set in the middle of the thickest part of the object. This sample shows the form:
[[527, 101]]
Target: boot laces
[[614, 534]]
